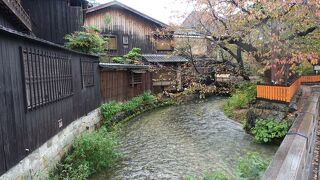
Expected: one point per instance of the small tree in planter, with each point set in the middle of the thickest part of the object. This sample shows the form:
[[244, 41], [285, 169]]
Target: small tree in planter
[[133, 56], [89, 41]]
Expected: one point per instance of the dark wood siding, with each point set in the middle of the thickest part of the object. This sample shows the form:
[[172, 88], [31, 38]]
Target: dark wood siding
[[125, 23], [21, 130], [53, 19], [115, 85], [5, 22]]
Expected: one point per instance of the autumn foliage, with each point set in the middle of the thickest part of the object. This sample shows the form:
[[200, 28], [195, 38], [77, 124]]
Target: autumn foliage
[[276, 34]]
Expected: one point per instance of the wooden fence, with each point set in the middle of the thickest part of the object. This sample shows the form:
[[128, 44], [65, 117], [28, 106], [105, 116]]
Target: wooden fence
[[123, 82], [43, 88], [293, 159], [283, 93]]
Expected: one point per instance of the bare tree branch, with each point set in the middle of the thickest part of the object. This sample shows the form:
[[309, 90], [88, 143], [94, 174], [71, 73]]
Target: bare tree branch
[[302, 33]]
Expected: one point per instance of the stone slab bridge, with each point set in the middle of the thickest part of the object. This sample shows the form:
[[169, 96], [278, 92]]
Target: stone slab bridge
[[298, 155]]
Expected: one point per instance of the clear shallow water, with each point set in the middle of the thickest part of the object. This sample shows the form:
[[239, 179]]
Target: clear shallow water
[[177, 141]]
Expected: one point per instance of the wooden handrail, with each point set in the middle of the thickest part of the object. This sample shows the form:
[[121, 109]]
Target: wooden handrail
[[19, 11], [283, 93], [293, 159]]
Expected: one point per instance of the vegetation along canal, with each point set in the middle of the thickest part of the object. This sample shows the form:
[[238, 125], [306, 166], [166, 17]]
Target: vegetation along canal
[[177, 141]]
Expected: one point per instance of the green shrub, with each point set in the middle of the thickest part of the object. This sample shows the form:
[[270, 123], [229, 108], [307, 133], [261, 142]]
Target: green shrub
[[241, 98], [304, 68], [251, 167], [216, 175], [145, 99], [250, 89], [131, 58], [98, 149], [134, 54], [268, 130], [71, 172], [109, 110], [119, 60], [91, 152], [93, 28], [148, 98], [89, 41], [133, 104]]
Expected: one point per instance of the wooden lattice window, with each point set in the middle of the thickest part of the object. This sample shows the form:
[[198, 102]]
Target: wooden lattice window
[[136, 77], [47, 77], [164, 45], [87, 73], [163, 42]]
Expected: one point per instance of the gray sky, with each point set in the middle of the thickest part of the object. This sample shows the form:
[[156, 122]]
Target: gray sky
[[166, 11]]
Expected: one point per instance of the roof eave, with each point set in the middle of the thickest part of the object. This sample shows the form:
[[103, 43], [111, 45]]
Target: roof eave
[[18, 11], [116, 3]]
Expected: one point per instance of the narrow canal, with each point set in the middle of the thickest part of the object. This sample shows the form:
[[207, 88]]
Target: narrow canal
[[177, 141]]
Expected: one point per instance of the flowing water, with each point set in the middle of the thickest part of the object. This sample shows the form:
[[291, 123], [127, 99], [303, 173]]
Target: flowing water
[[178, 141]]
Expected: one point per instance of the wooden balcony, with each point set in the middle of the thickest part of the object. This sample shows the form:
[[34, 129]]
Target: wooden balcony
[[16, 8]]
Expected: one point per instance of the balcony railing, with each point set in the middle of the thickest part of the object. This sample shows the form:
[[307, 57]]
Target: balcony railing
[[284, 93], [18, 10]]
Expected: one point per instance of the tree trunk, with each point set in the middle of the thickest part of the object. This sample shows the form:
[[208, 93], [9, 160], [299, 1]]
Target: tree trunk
[[241, 64]]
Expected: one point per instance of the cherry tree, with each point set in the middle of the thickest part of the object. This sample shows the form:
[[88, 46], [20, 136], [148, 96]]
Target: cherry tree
[[272, 32]]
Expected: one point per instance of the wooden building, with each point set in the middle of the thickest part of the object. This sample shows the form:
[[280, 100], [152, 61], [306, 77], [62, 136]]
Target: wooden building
[[129, 29], [44, 87], [167, 71], [53, 19], [121, 82]]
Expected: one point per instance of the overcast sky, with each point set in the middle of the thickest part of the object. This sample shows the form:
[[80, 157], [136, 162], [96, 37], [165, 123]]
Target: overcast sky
[[166, 11]]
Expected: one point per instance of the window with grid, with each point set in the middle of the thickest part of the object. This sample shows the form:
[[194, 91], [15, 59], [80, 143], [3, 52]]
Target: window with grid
[[163, 42], [164, 45], [47, 77], [136, 78], [87, 73]]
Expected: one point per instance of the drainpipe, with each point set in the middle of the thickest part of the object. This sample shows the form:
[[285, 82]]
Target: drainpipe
[[179, 77]]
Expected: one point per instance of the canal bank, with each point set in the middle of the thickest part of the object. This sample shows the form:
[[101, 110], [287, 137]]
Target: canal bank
[[182, 140]]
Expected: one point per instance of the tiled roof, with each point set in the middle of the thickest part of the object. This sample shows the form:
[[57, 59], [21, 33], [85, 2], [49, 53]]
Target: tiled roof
[[160, 58], [122, 66]]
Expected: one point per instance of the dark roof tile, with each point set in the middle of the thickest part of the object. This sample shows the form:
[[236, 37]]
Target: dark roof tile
[[161, 58]]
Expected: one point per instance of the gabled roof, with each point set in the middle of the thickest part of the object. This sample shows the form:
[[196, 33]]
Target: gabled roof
[[199, 21], [192, 20], [119, 4]]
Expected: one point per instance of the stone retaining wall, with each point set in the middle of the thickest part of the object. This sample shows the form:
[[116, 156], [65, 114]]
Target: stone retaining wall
[[37, 164], [293, 160]]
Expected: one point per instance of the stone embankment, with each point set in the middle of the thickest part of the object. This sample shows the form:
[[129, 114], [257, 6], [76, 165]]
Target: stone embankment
[[38, 164]]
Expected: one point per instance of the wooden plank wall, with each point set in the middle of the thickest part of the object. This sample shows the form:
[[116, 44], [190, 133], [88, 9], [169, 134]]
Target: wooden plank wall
[[6, 22], [115, 85], [53, 19], [23, 131], [125, 23]]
